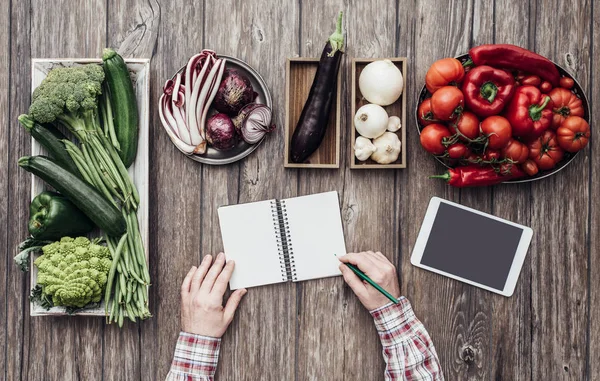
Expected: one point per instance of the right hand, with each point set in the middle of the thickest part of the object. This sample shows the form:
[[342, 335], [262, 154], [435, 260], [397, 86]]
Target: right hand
[[377, 267]]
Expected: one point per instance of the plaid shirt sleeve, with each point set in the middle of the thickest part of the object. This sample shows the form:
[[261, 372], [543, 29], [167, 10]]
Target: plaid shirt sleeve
[[195, 358], [407, 348]]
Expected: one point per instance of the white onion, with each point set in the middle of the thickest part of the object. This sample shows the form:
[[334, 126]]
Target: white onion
[[371, 121], [381, 82]]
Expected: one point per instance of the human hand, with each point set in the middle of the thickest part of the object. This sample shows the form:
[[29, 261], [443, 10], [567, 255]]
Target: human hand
[[377, 267], [202, 291]]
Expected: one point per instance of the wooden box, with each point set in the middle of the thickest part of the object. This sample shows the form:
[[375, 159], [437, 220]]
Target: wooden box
[[397, 108], [300, 73], [140, 75]]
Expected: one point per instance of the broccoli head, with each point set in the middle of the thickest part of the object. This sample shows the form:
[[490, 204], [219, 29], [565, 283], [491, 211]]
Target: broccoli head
[[69, 95], [73, 271]]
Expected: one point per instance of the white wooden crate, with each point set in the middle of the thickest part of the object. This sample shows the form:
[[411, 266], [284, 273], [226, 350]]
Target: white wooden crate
[[139, 70]]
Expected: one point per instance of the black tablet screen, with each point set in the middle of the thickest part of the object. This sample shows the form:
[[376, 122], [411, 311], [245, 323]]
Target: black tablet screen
[[471, 246]]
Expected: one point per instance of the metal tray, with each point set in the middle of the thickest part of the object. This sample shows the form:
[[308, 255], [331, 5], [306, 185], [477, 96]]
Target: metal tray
[[568, 157], [241, 149]]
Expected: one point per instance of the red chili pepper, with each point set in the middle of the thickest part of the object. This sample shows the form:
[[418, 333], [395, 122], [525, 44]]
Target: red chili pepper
[[476, 176], [516, 58], [529, 112], [487, 90]]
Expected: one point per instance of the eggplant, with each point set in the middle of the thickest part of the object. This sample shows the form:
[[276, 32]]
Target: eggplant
[[311, 127]]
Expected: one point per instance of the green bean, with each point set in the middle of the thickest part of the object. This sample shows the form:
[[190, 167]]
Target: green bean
[[109, 164], [113, 267], [140, 298], [95, 176], [126, 260], [111, 179], [130, 314], [121, 167], [113, 310], [120, 316], [110, 124], [141, 255], [123, 285], [129, 293], [81, 165]]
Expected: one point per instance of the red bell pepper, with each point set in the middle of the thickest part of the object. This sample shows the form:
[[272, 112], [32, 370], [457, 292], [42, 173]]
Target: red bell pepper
[[529, 112], [487, 90], [515, 58], [476, 176]]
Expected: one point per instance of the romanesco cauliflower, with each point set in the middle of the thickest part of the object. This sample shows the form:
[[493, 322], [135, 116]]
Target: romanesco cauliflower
[[73, 271]]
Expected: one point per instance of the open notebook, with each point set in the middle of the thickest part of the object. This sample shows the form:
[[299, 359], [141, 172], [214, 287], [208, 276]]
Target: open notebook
[[276, 241]]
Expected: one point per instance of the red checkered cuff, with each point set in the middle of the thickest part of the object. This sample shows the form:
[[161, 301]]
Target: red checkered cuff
[[196, 354], [395, 322]]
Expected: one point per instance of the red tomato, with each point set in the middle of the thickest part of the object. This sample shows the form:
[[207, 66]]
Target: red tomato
[[442, 73], [447, 103], [565, 103], [432, 136], [516, 151], [573, 134], [491, 155], [458, 151], [467, 125], [566, 82], [545, 87], [545, 152], [530, 167], [498, 130], [425, 114], [507, 168]]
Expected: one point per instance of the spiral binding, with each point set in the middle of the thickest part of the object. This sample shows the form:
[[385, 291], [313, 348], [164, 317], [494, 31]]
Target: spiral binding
[[284, 241]]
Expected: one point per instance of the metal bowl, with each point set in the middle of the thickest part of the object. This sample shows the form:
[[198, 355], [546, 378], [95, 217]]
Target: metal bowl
[[241, 149], [568, 157]]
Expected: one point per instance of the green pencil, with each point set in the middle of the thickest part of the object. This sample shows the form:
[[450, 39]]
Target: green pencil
[[364, 277]]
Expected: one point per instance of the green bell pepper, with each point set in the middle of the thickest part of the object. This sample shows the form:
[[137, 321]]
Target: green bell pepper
[[52, 216]]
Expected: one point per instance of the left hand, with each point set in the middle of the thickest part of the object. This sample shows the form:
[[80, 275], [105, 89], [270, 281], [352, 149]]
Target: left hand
[[202, 291]]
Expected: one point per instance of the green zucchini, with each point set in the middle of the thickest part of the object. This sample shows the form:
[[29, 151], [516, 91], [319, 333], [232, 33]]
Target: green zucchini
[[123, 103], [50, 138], [85, 197]]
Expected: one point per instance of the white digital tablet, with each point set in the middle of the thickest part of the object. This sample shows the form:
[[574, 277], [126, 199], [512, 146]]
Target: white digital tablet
[[471, 246]]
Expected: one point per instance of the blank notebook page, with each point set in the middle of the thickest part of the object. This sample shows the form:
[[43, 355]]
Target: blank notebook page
[[249, 239], [315, 228]]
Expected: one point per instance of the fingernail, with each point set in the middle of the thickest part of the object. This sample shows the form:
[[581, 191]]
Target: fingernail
[[204, 259], [220, 256]]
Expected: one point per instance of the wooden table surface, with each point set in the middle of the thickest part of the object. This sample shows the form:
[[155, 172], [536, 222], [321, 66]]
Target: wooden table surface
[[316, 330]]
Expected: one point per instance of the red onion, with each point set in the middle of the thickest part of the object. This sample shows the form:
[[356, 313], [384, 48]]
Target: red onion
[[256, 122], [234, 93], [220, 132]]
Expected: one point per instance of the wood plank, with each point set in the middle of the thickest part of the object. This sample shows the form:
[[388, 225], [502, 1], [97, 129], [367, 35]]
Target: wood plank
[[456, 315], [17, 316], [473, 338], [319, 353], [510, 345], [174, 193], [593, 93], [5, 31], [267, 313], [135, 35], [58, 31], [560, 207]]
